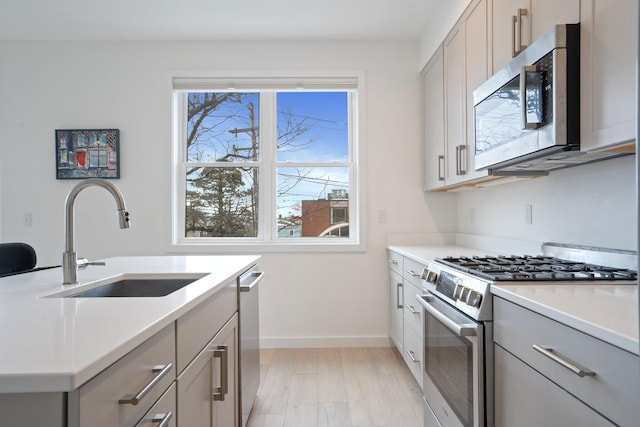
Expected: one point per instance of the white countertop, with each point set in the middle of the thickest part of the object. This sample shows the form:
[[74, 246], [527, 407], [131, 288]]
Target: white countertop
[[57, 344], [607, 312]]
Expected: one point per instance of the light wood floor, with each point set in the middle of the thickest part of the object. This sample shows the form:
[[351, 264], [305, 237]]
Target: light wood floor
[[336, 387]]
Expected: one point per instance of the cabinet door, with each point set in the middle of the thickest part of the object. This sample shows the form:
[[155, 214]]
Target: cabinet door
[[608, 49], [502, 30], [201, 387], [395, 309], [525, 398], [453, 51], [477, 71], [547, 13], [434, 143]]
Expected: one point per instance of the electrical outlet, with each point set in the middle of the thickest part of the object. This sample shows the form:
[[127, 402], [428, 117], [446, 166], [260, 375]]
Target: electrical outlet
[[472, 215], [26, 219], [528, 214], [382, 216]]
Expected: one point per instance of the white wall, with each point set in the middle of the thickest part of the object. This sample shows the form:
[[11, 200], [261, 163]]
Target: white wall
[[314, 298], [592, 204]]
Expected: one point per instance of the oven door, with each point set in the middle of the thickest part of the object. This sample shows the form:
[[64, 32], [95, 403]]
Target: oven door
[[453, 365]]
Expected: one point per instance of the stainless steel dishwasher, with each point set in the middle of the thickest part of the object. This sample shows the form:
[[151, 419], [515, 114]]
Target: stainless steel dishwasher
[[248, 294]]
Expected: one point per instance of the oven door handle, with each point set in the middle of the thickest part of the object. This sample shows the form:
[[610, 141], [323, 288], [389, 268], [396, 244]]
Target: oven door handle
[[461, 329]]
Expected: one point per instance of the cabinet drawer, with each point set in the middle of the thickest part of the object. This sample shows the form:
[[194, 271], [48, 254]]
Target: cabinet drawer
[[164, 409], [395, 261], [413, 271], [413, 352], [196, 328], [614, 387], [99, 400], [412, 309], [524, 398]]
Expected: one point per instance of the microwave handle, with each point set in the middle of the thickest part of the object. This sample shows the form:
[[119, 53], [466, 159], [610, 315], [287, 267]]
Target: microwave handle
[[526, 123]]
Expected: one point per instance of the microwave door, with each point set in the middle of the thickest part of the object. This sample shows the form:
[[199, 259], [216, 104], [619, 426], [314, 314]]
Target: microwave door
[[532, 97]]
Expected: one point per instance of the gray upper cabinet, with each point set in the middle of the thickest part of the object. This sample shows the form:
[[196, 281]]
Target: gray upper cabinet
[[608, 50], [450, 77]]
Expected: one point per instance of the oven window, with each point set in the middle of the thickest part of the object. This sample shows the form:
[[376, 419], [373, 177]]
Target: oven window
[[449, 364]]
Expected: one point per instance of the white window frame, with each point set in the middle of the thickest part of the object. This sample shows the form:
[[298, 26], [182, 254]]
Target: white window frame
[[267, 239]]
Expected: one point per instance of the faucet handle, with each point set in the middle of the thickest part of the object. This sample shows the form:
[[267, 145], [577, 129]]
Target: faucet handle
[[84, 263]]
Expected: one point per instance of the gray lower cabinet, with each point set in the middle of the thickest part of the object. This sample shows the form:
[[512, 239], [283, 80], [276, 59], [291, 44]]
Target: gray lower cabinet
[[405, 315], [207, 388], [548, 374]]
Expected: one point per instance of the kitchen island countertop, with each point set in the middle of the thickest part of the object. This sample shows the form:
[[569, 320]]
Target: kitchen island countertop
[[52, 344]]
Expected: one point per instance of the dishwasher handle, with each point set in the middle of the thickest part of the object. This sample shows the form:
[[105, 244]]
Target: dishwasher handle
[[257, 277]]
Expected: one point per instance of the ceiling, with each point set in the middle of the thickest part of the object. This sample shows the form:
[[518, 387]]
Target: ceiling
[[203, 20]]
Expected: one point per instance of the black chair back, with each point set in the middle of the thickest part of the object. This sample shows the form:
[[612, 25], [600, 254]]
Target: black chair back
[[16, 258]]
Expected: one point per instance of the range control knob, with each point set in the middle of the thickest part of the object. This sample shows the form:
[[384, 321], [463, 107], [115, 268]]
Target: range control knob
[[429, 276], [474, 299]]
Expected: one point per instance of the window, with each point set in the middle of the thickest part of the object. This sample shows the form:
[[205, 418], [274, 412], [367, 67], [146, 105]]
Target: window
[[265, 163]]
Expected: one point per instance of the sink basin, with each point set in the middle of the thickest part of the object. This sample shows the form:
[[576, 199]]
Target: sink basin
[[133, 286]]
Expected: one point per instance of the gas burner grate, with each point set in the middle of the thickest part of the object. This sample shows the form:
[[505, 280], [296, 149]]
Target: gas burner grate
[[534, 268]]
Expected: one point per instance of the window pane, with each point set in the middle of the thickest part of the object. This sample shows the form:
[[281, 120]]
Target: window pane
[[309, 199], [222, 126], [313, 126], [221, 202]]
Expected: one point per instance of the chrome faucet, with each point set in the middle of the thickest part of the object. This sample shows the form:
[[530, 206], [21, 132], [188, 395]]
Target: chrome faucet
[[70, 262]]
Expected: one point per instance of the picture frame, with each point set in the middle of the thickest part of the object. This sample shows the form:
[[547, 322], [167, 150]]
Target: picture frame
[[87, 153]]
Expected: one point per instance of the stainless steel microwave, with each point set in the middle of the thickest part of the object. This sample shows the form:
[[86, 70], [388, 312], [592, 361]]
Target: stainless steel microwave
[[527, 116]]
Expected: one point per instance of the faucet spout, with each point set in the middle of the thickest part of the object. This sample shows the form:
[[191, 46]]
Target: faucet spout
[[69, 258]]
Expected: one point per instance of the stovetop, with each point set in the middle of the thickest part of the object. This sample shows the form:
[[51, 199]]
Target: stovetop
[[535, 268]]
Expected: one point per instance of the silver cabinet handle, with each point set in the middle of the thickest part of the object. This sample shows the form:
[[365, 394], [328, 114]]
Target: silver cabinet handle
[[392, 261], [458, 160], [548, 352], [413, 309], [516, 20], [398, 286], [440, 168], [412, 273], [412, 356], [259, 275], [161, 419], [463, 151], [514, 48], [521, 13], [219, 393], [160, 371]]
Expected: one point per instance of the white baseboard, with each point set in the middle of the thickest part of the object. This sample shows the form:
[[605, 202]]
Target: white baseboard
[[324, 342]]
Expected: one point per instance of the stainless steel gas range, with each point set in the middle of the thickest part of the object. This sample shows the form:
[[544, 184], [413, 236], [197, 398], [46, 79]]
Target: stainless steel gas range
[[457, 313]]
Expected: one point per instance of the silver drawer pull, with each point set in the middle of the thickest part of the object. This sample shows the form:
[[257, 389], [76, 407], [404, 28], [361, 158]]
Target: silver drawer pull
[[546, 351], [160, 371], [413, 309], [413, 273], [162, 419], [392, 261], [412, 356], [220, 392]]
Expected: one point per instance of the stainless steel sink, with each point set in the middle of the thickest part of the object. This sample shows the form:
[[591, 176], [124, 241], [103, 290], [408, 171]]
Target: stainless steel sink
[[132, 286]]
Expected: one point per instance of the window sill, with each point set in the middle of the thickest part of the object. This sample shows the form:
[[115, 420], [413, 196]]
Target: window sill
[[261, 247]]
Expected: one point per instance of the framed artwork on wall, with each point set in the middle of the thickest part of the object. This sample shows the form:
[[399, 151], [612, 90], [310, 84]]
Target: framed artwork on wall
[[87, 153]]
